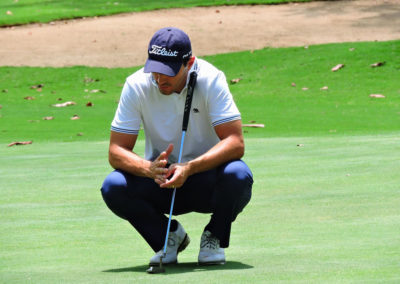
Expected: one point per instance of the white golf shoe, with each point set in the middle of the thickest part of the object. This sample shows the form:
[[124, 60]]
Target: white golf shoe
[[210, 251], [177, 242]]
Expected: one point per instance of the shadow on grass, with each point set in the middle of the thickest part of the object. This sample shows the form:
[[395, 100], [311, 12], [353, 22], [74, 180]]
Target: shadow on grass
[[184, 267]]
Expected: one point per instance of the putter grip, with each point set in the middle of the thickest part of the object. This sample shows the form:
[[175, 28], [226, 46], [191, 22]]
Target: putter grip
[[188, 102]]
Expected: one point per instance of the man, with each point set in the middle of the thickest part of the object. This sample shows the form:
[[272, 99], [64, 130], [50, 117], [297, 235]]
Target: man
[[211, 178]]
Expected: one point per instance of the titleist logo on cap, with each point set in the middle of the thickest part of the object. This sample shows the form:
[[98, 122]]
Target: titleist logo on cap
[[159, 50]]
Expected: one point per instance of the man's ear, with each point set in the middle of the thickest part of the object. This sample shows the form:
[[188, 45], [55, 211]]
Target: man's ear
[[190, 62]]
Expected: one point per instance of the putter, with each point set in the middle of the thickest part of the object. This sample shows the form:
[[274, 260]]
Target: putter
[[186, 113]]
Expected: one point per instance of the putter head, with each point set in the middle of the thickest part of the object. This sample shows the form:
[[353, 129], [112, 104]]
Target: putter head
[[156, 269]]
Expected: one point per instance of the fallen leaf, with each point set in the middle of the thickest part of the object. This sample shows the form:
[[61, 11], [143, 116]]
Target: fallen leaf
[[48, 118], [337, 67], [304, 89], [20, 143], [97, 91], [376, 96], [89, 80], [75, 117], [217, 11], [89, 104], [235, 81], [4, 91], [324, 88], [38, 86], [352, 49], [300, 145], [254, 125], [378, 64], [79, 134], [293, 84], [29, 98], [65, 104], [252, 121], [9, 13], [1, 106]]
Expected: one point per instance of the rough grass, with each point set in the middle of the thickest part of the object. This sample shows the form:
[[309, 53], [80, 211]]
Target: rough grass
[[14, 12], [265, 94]]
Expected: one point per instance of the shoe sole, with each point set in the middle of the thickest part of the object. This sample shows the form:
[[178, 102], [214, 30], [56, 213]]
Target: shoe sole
[[182, 246]]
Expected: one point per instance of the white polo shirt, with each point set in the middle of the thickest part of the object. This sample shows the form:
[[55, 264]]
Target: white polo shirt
[[161, 115]]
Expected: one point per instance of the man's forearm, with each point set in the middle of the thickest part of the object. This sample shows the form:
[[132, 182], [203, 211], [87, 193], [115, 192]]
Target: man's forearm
[[126, 160], [228, 149]]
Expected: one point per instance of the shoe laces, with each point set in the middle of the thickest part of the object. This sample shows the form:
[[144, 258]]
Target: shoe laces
[[209, 241]]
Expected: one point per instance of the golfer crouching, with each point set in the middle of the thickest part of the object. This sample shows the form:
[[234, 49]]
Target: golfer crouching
[[208, 176]]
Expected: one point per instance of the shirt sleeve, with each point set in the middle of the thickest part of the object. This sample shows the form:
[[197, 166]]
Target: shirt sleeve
[[127, 118], [222, 107]]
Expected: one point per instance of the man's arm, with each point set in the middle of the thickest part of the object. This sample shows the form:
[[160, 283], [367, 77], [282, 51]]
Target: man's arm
[[230, 147], [121, 157]]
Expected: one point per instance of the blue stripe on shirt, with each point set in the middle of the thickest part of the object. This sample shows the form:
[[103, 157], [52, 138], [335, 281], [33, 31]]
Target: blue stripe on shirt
[[126, 131], [228, 119]]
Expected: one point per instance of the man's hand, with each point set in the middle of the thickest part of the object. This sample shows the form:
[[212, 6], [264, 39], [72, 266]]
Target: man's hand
[[178, 174], [158, 166]]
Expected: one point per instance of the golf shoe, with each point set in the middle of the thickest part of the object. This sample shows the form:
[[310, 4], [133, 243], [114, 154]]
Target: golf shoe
[[210, 251], [177, 242]]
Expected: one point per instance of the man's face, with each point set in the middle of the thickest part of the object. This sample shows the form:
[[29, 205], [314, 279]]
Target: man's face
[[168, 85]]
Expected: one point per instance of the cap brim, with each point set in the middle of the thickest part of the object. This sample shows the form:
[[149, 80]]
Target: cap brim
[[166, 68]]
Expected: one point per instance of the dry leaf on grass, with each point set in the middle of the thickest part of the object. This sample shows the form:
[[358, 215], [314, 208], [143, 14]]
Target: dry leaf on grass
[[20, 143], [337, 67], [377, 64], [4, 91], [97, 91], [48, 118], [256, 125], [235, 81], [75, 117], [376, 96], [38, 86], [89, 104], [89, 80], [29, 98], [69, 103], [293, 84], [9, 13], [324, 88]]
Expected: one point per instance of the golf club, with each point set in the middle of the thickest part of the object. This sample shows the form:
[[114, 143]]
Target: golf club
[[186, 113]]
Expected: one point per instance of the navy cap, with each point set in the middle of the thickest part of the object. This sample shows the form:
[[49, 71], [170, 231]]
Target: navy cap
[[167, 49]]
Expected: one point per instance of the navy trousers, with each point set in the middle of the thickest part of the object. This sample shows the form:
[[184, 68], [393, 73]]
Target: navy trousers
[[223, 192]]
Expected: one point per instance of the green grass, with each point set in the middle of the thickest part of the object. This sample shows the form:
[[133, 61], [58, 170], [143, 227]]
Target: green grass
[[29, 11], [264, 94], [327, 212]]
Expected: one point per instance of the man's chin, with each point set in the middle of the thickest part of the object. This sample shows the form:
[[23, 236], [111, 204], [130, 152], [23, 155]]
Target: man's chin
[[165, 91]]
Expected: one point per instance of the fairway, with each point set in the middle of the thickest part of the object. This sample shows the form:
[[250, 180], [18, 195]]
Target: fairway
[[324, 211]]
